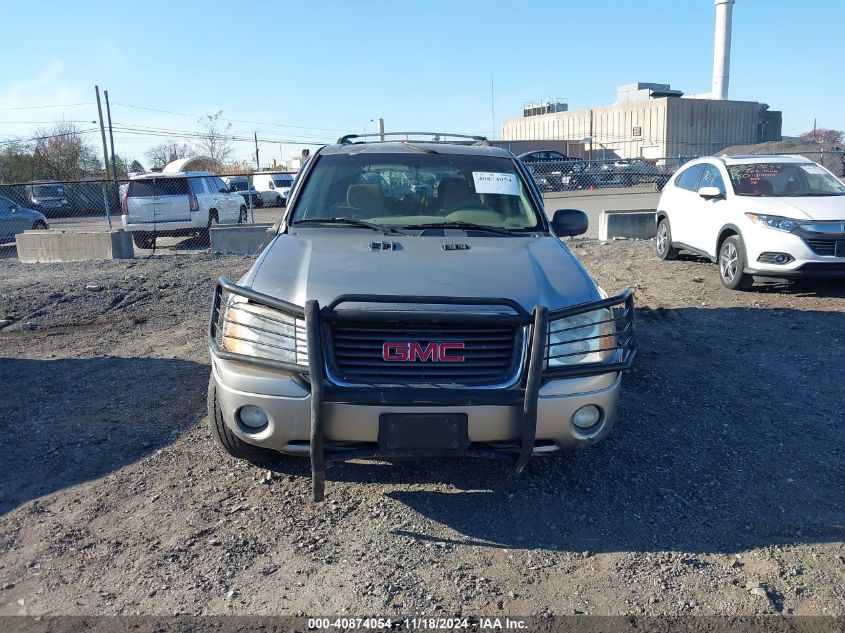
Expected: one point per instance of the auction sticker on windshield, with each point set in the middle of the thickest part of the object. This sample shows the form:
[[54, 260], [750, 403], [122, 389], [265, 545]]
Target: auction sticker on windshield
[[493, 182]]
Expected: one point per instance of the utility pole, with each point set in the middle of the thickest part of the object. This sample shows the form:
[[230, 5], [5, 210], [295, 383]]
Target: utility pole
[[380, 127], [815, 140], [492, 107], [102, 132], [257, 166], [111, 138]]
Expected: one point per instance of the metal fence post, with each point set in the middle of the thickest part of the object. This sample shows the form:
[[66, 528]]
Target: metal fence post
[[251, 209], [106, 203]]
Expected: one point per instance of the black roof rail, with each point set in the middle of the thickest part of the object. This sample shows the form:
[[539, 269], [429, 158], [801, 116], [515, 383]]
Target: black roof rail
[[437, 137]]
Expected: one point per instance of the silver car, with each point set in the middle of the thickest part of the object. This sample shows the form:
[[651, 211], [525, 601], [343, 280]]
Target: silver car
[[416, 301], [16, 219]]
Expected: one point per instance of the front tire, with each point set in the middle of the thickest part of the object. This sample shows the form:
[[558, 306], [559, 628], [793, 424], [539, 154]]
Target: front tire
[[732, 261], [40, 225], [663, 241], [228, 441]]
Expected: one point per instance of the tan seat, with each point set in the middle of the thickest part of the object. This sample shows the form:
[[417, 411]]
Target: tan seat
[[455, 193], [364, 201]]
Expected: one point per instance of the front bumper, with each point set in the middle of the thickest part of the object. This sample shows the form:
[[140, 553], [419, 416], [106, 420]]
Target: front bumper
[[762, 242], [308, 413], [288, 406]]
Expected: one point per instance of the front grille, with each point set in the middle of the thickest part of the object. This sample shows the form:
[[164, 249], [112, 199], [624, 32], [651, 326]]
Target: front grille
[[823, 246], [492, 353]]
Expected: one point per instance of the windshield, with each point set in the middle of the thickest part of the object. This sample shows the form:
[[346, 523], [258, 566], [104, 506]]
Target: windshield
[[48, 191], [414, 189], [238, 185], [280, 182], [784, 179]]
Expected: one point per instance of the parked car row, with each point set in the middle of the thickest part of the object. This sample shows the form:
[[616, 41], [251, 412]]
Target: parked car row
[[555, 172]]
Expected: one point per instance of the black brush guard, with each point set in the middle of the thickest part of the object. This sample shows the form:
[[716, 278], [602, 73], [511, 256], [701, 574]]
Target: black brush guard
[[525, 395]]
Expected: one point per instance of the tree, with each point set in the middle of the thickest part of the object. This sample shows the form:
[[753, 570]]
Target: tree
[[61, 153], [214, 138], [240, 167], [135, 166], [164, 153], [17, 163], [824, 135]]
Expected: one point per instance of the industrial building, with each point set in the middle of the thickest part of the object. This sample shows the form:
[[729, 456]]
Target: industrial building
[[651, 120]]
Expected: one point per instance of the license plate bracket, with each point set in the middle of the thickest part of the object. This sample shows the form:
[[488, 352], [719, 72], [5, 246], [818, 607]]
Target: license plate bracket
[[839, 249], [423, 433]]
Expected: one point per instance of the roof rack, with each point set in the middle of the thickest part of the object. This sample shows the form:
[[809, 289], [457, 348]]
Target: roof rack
[[436, 137]]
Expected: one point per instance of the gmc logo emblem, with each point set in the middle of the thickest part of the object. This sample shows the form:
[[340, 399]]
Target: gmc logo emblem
[[405, 352]]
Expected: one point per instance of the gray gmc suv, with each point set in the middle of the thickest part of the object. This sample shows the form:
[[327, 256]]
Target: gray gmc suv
[[416, 301]]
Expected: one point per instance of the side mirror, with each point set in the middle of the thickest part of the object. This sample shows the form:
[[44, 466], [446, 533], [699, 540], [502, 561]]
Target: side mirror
[[569, 222], [710, 192], [272, 186], [224, 190]]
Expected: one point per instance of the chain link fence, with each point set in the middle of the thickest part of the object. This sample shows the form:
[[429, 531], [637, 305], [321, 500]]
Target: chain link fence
[[640, 174], [162, 211], [174, 212]]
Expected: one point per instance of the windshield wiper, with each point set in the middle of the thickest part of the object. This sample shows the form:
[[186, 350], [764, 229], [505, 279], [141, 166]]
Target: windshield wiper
[[458, 224], [348, 222]]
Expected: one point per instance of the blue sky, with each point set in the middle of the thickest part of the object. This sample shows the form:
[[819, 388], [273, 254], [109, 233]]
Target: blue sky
[[309, 71]]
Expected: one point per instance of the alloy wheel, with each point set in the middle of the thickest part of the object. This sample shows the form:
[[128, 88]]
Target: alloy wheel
[[662, 236], [728, 262]]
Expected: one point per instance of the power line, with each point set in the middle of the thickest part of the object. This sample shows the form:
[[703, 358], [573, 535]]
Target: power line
[[200, 116], [42, 107], [48, 136], [43, 122]]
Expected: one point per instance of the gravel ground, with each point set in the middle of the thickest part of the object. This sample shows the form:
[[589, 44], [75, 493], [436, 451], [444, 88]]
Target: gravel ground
[[720, 491]]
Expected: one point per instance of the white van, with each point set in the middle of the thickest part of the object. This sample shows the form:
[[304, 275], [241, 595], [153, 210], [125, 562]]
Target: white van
[[274, 187], [178, 204]]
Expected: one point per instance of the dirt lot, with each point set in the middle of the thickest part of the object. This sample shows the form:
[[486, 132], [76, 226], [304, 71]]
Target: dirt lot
[[720, 492]]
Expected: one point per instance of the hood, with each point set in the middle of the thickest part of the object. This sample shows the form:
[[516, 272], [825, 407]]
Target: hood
[[822, 208], [324, 263], [32, 214]]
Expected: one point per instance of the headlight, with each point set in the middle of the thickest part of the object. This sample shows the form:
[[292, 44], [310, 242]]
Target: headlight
[[582, 338], [774, 222], [256, 330]]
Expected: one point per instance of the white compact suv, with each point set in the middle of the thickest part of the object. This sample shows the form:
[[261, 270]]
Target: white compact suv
[[183, 203], [770, 216]]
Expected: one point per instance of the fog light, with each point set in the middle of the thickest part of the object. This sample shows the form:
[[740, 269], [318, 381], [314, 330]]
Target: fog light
[[252, 417], [586, 417], [775, 258]]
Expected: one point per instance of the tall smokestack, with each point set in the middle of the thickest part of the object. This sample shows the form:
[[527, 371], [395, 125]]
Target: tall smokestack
[[722, 49]]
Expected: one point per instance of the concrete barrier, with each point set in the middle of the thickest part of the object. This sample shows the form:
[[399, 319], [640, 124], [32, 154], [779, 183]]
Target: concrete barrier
[[633, 224], [73, 246], [240, 239], [593, 203]]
